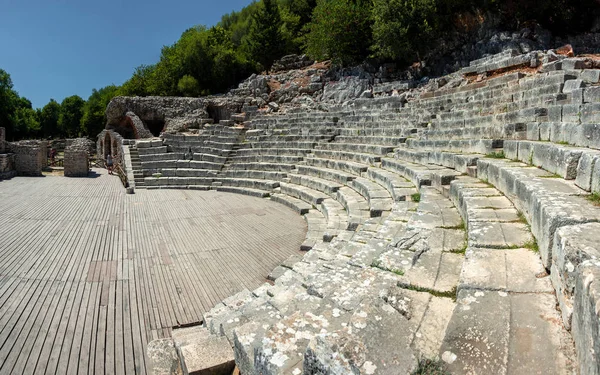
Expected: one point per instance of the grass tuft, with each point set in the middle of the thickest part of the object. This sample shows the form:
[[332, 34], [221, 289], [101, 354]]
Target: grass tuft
[[532, 245], [416, 197], [449, 294], [377, 264], [594, 198], [459, 226], [552, 175], [495, 155], [462, 250], [431, 367]]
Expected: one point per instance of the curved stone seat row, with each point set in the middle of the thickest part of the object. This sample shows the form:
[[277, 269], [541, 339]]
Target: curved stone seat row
[[565, 225], [374, 285], [411, 204]]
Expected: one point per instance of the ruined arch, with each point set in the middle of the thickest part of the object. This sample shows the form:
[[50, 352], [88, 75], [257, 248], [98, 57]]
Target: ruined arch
[[107, 145]]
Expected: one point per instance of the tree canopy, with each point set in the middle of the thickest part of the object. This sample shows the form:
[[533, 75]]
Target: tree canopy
[[211, 60]]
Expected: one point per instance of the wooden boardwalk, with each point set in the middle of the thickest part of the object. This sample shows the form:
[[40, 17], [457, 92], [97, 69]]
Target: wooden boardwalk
[[89, 275]]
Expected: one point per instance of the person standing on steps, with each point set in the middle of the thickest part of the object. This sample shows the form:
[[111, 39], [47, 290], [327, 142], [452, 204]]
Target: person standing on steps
[[109, 163]]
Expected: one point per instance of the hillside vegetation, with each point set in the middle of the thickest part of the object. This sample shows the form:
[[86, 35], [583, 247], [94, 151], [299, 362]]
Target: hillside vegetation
[[210, 60]]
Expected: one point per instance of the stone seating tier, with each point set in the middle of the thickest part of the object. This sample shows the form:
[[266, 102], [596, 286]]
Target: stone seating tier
[[451, 194]]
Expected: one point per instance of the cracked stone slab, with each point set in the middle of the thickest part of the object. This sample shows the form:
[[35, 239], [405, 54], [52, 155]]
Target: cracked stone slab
[[514, 270], [498, 234], [477, 337], [539, 343], [428, 339], [447, 240], [489, 214], [374, 325]]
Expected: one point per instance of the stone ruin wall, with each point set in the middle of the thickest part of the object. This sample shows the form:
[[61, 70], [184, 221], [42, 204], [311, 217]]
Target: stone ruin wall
[[76, 160], [2, 140], [30, 157], [7, 161]]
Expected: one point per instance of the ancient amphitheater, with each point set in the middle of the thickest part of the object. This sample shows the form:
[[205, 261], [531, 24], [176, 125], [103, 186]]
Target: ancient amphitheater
[[457, 220]]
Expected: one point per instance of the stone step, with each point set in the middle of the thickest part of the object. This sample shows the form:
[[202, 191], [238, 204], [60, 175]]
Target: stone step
[[561, 160], [254, 174], [244, 191], [308, 195], [295, 204], [265, 185], [344, 166], [546, 202], [325, 173], [489, 332], [375, 140], [145, 158], [319, 184], [272, 151], [398, 187], [378, 197], [354, 147], [273, 167]]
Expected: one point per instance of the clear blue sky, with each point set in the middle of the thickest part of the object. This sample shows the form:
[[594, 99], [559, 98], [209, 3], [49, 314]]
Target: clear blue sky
[[57, 48]]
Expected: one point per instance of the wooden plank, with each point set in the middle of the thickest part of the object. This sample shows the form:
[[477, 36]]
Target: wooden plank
[[88, 274]]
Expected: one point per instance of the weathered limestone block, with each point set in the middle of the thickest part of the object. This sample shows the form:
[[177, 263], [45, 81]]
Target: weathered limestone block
[[203, 353], [163, 358], [588, 171], [76, 161], [573, 245], [586, 317]]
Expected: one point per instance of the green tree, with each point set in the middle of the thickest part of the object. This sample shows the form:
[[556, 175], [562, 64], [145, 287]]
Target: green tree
[[25, 122], [49, 119], [138, 84], [403, 29], [69, 119], [264, 40], [340, 30], [188, 86], [8, 103], [93, 119]]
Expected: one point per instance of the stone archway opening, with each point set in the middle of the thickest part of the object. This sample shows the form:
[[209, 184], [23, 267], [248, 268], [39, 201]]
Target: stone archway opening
[[155, 127], [107, 149]]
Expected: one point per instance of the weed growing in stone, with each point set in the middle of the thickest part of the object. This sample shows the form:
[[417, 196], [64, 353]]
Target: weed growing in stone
[[462, 250], [431, 367], [594, 198], [522, 218], [532, 245], [449, 294], [551, 175], [416, 197], [564, 143], [377, 264], [495, 155], [459, 226], [398, 272]]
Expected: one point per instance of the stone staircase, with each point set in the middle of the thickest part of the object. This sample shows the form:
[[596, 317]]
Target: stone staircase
[[136, 164], [449, 226]]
